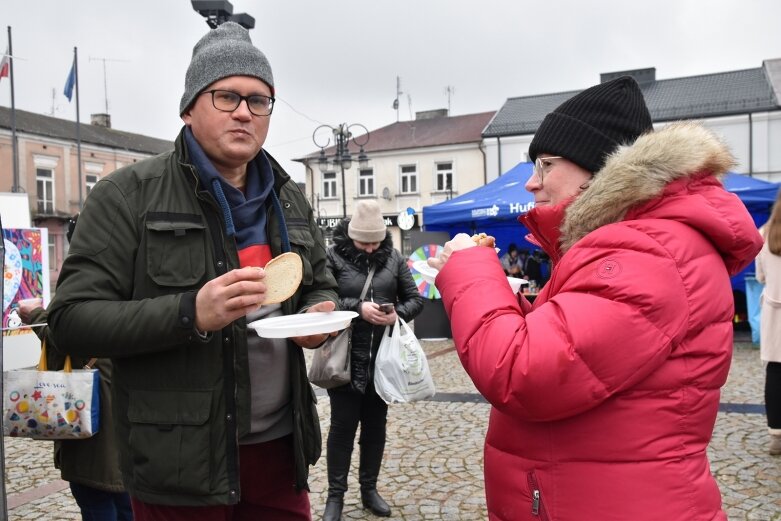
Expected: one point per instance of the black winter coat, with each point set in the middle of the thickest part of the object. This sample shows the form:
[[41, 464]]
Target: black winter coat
[[392, 282]]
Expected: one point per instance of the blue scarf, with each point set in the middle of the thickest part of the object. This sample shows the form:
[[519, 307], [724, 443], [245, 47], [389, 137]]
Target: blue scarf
[[244, 213]]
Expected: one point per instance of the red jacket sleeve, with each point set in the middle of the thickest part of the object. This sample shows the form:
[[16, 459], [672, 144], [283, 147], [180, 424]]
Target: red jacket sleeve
[[605, 321]]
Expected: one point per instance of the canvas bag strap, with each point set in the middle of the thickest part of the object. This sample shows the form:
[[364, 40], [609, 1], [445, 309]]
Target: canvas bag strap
[[42, 362], [368, 281], [68, 367]]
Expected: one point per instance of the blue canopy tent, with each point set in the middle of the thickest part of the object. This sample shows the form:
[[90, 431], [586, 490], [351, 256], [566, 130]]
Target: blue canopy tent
[[494, 208], [756, 194]]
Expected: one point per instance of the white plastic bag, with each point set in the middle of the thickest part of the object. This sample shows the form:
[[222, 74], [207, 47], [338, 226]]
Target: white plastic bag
[[401, 372]]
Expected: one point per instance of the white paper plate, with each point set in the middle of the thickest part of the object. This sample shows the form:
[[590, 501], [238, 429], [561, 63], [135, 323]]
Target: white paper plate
[[303, 324], [429, 274], [426, 272], [516, 283]]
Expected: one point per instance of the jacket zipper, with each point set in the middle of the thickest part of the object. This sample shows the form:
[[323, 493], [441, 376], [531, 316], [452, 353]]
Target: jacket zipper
[[538, 509], [371, 339], [210, 201]]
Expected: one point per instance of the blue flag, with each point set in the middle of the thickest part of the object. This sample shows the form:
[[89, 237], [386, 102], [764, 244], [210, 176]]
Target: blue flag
[[70, 82]]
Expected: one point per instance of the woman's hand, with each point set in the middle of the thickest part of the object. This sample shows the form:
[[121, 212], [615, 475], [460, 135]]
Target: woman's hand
[[460, 242], [371, 313]]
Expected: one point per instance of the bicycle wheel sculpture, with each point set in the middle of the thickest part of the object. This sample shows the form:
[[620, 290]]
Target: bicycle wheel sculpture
[[426, 290]]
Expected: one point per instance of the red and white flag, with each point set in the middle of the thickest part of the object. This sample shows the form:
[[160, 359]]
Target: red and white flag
[[5, 66]]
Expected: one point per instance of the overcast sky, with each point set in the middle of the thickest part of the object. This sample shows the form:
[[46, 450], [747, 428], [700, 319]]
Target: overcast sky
[[337, 61]]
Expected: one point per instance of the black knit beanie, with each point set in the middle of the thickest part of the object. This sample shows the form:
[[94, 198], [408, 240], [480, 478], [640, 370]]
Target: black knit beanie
[[591, 125]]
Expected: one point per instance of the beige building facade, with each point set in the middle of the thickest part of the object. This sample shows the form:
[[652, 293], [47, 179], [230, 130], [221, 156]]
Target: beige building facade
[[409, 165], [48, 168]]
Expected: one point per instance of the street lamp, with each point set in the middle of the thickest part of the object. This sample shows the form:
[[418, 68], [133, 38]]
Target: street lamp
[[341, 156], [217, 12]]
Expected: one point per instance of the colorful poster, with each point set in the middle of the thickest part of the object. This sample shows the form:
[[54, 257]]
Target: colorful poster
[[25, 273]]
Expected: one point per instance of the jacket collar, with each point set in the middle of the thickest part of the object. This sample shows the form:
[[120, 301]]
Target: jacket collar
[[262, 165]]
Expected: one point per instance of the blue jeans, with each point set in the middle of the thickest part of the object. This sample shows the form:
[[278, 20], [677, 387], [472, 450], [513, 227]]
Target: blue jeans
[[99, 505]]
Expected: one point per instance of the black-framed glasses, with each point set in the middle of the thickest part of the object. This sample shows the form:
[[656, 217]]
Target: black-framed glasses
[[543, 165], [228, 101]]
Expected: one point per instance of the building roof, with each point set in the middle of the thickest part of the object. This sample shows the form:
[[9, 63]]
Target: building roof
[[47, 126], [418, 133], [693, 97]]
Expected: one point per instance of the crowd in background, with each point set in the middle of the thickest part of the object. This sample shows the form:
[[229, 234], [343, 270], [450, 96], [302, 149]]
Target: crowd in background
[[521, 263]]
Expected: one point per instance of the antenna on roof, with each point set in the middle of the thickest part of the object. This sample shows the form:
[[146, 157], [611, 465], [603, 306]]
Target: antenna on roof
[[54, 98], [105, 83], [396, 101], [450, 91], [409, 104]]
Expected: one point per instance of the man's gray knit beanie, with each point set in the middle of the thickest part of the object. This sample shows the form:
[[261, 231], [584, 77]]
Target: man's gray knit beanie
[[222, 52]]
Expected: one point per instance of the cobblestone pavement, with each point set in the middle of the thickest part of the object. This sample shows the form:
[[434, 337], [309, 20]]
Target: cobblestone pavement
[[433, 460]]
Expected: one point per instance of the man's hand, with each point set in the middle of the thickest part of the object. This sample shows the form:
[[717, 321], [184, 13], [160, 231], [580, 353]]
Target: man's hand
[[27, 306], [460, 242], [229, 297], [313, 341]]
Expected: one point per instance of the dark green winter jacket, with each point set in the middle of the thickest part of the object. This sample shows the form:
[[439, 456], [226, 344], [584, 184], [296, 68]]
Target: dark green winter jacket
[[148, 238]]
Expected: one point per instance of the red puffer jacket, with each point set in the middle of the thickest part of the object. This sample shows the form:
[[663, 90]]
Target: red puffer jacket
[[605, 391]]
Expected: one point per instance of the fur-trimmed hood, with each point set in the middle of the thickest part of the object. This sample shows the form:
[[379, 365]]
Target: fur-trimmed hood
[[640, 172]]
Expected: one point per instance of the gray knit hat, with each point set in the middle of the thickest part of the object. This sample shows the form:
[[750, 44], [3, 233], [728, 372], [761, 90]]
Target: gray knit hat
[[367, 224], [222, 52]]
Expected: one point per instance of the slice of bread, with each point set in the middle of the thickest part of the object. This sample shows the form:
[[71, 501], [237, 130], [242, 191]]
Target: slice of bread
[[283, 276]]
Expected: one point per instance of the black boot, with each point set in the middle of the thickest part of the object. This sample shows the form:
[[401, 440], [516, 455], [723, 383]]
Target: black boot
[[338, 462], [373, 502], [370, 463], [333, 509]]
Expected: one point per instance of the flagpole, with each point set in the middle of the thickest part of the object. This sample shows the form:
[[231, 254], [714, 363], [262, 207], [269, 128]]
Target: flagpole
[[14, 144], [78, 123]]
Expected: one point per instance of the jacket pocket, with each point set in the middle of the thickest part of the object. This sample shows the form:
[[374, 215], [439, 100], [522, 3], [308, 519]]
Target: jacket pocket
[[302, 242], [176, 249], [170, 442], [538, 508]]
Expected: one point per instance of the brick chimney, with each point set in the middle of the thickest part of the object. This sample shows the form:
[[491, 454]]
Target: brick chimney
[[101, 120], [432, 114]]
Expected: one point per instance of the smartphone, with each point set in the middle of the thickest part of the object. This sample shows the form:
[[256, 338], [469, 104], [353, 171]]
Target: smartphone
[[386, 308]]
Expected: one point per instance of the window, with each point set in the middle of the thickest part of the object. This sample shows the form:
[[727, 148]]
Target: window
[[91, 179], [44, 180], [409, 179], [366, 182], [445, 177], [92, 171], [329, 185], [53, 260]]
